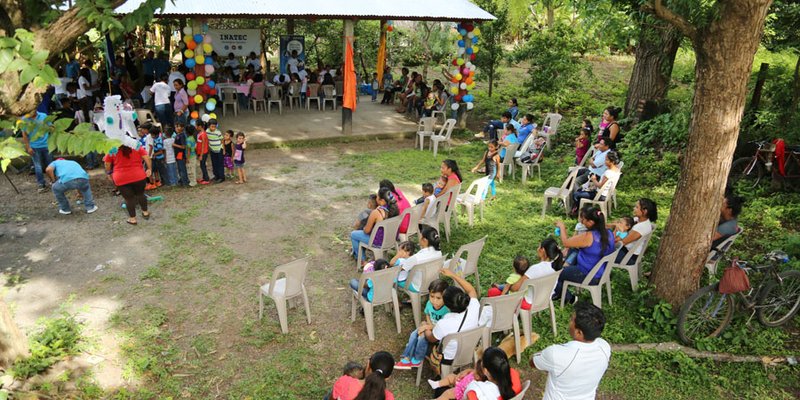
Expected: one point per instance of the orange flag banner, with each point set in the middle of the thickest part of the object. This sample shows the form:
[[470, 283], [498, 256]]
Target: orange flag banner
[[349, 96], [381, 64]]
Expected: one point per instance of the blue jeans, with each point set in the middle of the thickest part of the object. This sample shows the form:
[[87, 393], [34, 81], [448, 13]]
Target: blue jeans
[[417, 347], [623, 251], [183, 175], [82, 185], [183, 118], [172, 174], [164, 114], [41, 159], [580, 194], [571, 274], [217, 166], [354, 286], [357, 237], [492, 127]]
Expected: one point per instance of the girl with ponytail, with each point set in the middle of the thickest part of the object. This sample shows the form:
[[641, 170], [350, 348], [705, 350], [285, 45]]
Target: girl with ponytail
[[378, 369], [502, 382], [551, 261]]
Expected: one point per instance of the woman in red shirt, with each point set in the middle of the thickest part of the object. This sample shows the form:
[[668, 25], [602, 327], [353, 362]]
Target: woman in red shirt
[[124, 169]]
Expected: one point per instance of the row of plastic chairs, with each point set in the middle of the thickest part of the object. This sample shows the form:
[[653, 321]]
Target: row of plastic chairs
[[426, 127]]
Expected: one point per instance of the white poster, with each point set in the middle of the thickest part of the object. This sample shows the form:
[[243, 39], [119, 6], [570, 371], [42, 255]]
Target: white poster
[[240, 42]]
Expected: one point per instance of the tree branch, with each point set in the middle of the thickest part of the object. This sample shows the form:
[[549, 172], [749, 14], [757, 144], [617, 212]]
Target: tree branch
[[676, 20], [693, 353]]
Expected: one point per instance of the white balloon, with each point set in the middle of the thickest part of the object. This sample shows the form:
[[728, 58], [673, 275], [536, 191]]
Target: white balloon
[[470, 105], [454, 106], [470, 65], [205, 117], [463, 85], [187, 30], [460, 50], [470, 35], [191, 92]]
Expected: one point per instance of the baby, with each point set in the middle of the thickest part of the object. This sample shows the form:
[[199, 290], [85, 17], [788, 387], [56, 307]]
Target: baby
[[521, 265], [347, 385], [404, 250], [363, 216], [440, 184], [621, 228]]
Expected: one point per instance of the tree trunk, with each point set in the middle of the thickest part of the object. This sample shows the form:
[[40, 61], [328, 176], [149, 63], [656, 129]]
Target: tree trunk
[[725, 49], [12, 342], [491, 79], [551, 16], [652, 70], [796, 91]]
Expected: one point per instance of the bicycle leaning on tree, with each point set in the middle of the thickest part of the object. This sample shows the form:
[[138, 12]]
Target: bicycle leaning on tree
[[752, 169], [775, 300]]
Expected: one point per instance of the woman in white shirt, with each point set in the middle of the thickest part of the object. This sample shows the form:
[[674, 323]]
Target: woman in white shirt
[[464, 311], [551, 261], [646, 214], [606, 184], [428, 250]]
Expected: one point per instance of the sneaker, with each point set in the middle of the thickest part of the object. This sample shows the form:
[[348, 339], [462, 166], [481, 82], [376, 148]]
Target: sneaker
[[150, 187], [404, 363], [42, 189], [91, 210], [479, 135], [204, 182], [62, 212]]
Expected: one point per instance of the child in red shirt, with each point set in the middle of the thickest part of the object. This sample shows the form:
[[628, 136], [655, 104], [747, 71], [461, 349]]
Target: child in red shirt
[[202, 151]]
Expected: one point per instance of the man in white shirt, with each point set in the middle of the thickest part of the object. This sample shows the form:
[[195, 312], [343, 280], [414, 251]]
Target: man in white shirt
[[163, 106], [233, 63], [597, 166], [292, 62], [576, 367], [254, 61]]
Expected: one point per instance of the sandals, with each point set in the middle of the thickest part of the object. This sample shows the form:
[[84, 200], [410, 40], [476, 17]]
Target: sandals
[[146, 216], [131, 222]]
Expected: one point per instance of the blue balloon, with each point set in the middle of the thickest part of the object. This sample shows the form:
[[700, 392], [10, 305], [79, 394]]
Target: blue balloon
[[211, 84], [211, 106], [468, 98], [190, 62], [198, 38], [193, 122], [460, 43], [462, 31], [474, 40], [469, 50]]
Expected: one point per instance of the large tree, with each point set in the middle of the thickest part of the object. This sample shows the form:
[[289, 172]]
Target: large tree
[[725, 35]]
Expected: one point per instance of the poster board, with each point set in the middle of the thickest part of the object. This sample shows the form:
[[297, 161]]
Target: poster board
[[290, 43], [240, 42]]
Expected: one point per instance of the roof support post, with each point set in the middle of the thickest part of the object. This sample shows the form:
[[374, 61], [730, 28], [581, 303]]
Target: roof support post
[[347, 114]]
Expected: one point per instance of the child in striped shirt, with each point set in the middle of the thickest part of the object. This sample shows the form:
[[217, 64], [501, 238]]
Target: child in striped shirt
[[215, 146]]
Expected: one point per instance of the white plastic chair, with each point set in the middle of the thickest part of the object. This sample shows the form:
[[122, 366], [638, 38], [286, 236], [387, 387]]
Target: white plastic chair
[[445, 212], [415, 214], [274, 98], [281, 290], [525, 388], [293, 95], [603, 203], [585, 160], [313, 90], [443, 135], [634, 270], [383, 292], [258, 93], [508, 161], [328, 91], [505, 310], [542, 289], [563, 193], [525, 167], [428, 272], [550, 127], [465, 353], [390, 227], [474, 196], [716, 253], [595, 290], [443, 112], [230, 98], [468, 266], [144, 115], [425, 128], [339, 85]]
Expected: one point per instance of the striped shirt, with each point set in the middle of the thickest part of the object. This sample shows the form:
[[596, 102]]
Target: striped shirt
[[214, 141]]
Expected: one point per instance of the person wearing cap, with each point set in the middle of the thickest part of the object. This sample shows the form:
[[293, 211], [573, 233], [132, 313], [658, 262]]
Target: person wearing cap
[[68, 175]]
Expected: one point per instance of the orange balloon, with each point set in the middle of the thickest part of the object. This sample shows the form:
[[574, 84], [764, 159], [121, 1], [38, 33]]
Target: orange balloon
[[191, 45], [468, 81], [195, 115], [471, 73], [454, 80]]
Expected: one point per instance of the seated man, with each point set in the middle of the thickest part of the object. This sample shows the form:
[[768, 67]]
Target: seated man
[[493, 125], [574, 369], [68, 175], [728, 225], [597, 165]]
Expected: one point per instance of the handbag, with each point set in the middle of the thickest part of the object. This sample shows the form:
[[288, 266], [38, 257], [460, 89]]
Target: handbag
[[734, 279]]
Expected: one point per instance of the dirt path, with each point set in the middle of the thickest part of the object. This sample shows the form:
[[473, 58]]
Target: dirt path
[[190, 276]]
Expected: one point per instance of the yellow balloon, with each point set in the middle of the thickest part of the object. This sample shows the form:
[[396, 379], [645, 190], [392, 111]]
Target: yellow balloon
[[458, 77], [188, 53], [207, 48], [187, 38], [474, 49], [454, 90], [200, 59], [198, 98], [213, 115], [476, 31]]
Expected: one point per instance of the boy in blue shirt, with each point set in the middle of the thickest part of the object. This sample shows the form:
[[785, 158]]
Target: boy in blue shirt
[[68, 175], [417, 347]]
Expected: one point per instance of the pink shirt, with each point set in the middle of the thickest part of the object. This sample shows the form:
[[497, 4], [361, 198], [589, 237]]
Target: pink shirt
[[402, 205], [181, 100], [347, 388]]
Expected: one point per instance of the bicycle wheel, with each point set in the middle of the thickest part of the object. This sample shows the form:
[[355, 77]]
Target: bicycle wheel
[[739, 172], [705, 314], [779, 300]]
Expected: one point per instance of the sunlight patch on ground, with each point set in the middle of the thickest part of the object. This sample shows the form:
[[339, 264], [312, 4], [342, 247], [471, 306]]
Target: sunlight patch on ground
[[37, 255]]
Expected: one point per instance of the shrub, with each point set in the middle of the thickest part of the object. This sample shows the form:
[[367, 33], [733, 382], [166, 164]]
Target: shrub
[[56, 338]]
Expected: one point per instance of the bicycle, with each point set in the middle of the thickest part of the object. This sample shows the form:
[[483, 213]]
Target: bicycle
[[776, 299], [759, 165]]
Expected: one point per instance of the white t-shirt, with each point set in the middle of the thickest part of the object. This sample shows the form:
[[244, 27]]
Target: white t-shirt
[[450, 323], [62, 88], [277, 78], [644, 228], [256, 63], [162, 92], [574, 369], [291, 63], [539, 270], [234, 65], [82, 81], [430, 212], [483, 390], [612, 177], [422, 256], [169, 151], [173, 76]]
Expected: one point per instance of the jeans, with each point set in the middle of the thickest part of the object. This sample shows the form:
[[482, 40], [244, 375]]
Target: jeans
[[164, 114], [354, 286], [41, 159], [91, 160], [571, 274], [374, 94], [203, 169], [182, 118], [160, 166], [183, 175], [357, 237], [492, 127], [172, 174], [417, 347], [623, 251], [582, 176], [580, 194], [217, 166], [82, 185]]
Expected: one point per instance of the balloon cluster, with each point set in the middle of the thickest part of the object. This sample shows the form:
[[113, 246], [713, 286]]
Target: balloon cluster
[[463, 76], [199, 85], [389, 26]]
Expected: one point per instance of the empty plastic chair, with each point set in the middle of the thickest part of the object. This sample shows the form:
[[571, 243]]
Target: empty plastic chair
[[230, 97], [473, 197], [313, 94], [288, 282], [468, 266], [274, 98], [328, 91], [563, 193], [258, 93], [550, 127], [425, 128], [443, 135], [504, 312]]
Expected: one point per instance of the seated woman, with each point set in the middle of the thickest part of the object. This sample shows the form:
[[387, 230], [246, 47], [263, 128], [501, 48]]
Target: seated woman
[[452, 173], [594, 244], [387, 208], [609, 180], [646, 214], [402, 203], [491, 379], [428, 250]]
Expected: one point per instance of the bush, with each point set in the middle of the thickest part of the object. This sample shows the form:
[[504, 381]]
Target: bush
[[56, 338]]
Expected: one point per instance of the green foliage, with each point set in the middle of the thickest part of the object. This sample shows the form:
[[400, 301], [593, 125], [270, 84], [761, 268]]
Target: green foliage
[[101, 15], [17, 54], [555, 67], [55, 339], [666, 132], [426, 43], [491, 44]]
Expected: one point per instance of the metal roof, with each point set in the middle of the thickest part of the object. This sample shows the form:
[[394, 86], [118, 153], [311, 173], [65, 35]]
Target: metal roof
[[428, 10]]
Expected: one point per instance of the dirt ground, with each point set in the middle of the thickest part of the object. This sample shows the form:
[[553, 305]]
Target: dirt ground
[[297, 202]]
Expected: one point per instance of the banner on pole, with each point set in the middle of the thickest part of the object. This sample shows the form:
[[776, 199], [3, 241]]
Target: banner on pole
[[293, 52], [240, 42]]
